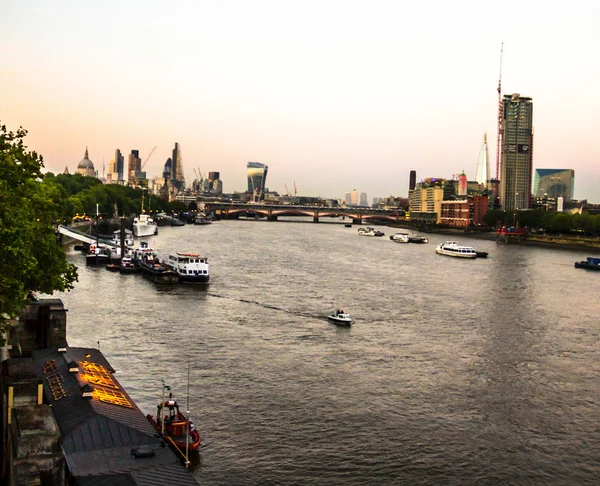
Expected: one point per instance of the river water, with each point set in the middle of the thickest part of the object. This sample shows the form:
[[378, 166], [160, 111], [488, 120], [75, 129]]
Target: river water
[[455, 371]]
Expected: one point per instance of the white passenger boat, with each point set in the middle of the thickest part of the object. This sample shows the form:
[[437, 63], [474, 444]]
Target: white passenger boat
[[340, 317], [400, 237], [452, 248], [191, 267]]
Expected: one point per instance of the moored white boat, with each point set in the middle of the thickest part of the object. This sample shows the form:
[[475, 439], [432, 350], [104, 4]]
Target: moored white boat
[[400, 237], [191, 267], [144, 225], [368, 231], [452, 248]]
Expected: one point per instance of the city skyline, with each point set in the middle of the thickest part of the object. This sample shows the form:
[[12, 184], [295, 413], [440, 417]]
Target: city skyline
[[385, 91]]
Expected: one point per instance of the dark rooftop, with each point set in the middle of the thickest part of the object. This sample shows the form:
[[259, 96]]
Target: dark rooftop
[[100, 423]]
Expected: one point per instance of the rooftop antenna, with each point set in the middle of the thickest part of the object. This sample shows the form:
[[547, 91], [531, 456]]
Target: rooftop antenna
[[499, 136]]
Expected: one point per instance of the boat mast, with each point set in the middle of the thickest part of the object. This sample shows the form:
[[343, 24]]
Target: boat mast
[[187, 428], [161, 414]]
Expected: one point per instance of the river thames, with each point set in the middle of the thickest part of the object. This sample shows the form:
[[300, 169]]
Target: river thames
[[455, 372]]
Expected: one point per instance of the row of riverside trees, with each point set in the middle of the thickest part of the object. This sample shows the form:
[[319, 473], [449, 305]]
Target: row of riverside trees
[[30, 259], [584, 224], [79, 195]]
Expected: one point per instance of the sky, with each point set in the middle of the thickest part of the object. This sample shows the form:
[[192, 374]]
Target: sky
[[332, 95]]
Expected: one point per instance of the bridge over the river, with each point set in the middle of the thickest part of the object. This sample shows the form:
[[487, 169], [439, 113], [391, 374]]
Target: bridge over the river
[[274, 211]]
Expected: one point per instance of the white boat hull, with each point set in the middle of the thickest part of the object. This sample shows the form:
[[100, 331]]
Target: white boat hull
[[143, 229], [344, 319], [457, 255]]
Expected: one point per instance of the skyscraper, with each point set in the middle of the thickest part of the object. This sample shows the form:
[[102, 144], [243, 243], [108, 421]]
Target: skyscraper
[[363, 199], [354, 197], [348, 199], [257, 178], [483, 163], [134, 165], [517, 149], [119, 166], [412, 183], [177, 178]]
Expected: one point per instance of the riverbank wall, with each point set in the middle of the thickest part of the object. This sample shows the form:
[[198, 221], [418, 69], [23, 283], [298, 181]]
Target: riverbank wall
[[567, 242]]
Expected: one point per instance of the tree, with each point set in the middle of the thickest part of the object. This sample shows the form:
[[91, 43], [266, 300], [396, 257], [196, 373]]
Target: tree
[[31, 260]]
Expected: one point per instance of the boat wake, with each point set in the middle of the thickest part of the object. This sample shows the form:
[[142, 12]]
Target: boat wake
[[272, 307]]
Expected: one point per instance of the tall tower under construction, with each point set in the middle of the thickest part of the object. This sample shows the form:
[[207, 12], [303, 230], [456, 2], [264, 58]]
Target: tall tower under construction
[[517, 152]]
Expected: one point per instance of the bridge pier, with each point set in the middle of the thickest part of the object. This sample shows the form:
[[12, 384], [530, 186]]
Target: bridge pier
[[271, 217], [316, 217], [357, 220]]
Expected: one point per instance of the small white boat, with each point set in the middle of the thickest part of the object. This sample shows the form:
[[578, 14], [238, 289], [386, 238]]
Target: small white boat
[[452, 248], [340, 317], [400, 237], [368, 231]]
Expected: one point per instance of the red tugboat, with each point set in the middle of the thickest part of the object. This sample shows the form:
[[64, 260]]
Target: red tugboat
[[171, 424]]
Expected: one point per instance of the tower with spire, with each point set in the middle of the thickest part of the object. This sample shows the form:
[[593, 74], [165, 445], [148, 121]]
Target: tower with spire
[[483, 163]]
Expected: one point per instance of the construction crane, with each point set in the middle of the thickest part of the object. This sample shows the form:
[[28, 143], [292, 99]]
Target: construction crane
[[499, 137], [149, 155], [295, 191], [287, 191]]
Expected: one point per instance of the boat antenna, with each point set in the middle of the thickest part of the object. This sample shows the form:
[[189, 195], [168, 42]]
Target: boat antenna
[[161, 414], [187, 429]]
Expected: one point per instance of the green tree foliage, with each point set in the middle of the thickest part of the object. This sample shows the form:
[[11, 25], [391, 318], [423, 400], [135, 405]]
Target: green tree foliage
[[31, 260], [495, 217], [83, 195]]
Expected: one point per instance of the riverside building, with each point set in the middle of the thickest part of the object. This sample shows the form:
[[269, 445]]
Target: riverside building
[[554, 183], [517, 149]]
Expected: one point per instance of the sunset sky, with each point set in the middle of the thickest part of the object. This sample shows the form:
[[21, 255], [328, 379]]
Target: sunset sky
[[335, 95]]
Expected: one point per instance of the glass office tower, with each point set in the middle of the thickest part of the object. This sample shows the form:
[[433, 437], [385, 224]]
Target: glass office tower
[[257, 177], [554, 183]]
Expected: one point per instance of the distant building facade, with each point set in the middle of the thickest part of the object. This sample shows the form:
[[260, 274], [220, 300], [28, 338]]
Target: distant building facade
[[354, 197], [464, 212], [257, 178], [517, 149], [363, 199], [554, 183], [85, 166], [426, 199]]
